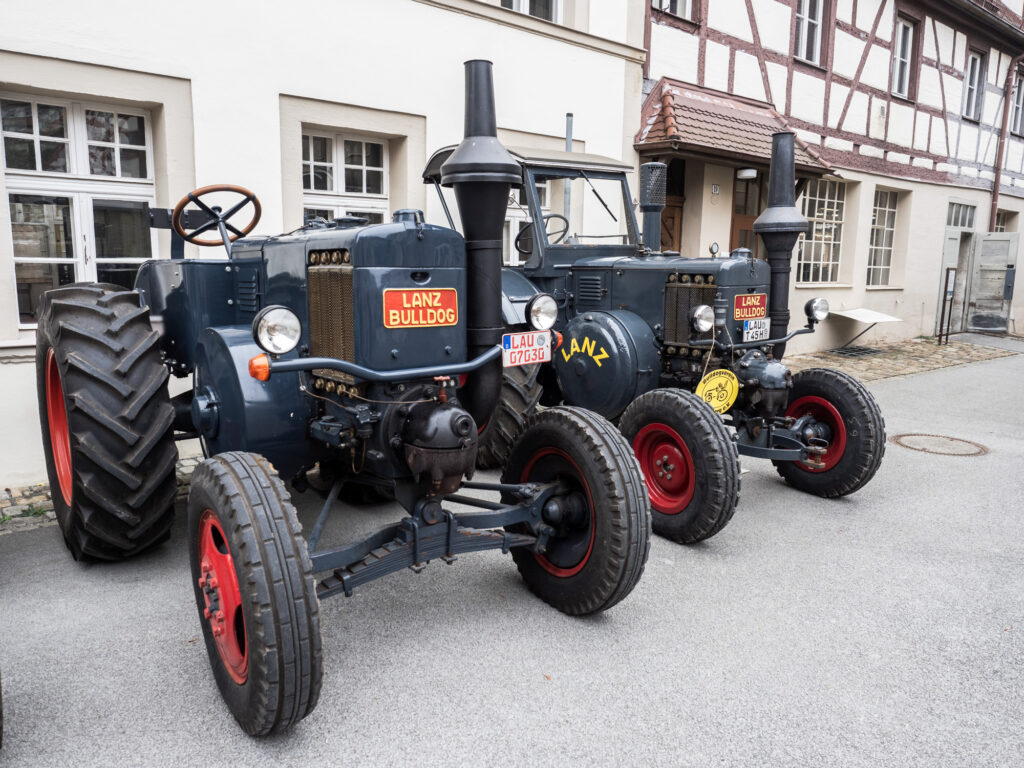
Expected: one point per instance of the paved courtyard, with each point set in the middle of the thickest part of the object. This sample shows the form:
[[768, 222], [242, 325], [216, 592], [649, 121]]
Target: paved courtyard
[[886, 628]]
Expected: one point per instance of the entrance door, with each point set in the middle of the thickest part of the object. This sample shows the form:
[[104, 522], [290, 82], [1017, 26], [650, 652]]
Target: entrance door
[[672, 223], [746, 206], [987, 308]]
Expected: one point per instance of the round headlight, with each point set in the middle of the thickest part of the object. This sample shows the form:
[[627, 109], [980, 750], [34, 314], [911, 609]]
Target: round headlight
[[816, 309], [702, 318], [276, 330], [541, 312]]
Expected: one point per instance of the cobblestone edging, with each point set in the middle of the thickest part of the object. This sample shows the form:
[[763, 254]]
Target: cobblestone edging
[[31, 507]]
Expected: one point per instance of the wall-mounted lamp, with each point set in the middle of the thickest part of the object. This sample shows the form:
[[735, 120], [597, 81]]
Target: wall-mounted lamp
[[746, 173]]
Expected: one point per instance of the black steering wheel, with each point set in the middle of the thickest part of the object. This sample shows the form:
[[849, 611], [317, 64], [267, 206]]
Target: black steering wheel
[[216, 215], [554, 237]]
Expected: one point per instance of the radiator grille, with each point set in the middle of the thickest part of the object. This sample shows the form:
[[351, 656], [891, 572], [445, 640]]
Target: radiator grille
[[680, 299], [248, 294], [331, 311], [589, 290]]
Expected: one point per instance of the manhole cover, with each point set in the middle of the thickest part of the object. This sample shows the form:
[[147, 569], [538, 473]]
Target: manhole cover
[[946, 446]]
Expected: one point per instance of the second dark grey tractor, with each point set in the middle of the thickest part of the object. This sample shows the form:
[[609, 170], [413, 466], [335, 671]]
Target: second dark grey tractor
[[673, 349]]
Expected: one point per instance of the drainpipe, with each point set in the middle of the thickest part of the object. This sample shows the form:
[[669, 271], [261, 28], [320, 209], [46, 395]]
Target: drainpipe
[[1010, 73]]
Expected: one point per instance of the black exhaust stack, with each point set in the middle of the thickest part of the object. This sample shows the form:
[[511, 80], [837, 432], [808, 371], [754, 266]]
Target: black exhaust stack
[[780, 226], [653, 177], [481, 170]]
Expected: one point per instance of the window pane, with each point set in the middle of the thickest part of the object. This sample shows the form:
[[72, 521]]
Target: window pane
[[16, 116], [317, 213], [374, 155], [53, 156], [323, 177], [544, 9], [306, 177], [305, 148], [133, 163], [372, 217], [353, 179], [375, 182], [101, 161], [99, 125], [132, 130], [20, 154], [51, 121], [353, 153], [321, 149], [41, 227], [33, 280], [118, 274], [122, 229]]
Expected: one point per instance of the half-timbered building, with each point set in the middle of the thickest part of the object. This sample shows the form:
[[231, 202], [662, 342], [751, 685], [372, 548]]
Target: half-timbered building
[[909, 116]]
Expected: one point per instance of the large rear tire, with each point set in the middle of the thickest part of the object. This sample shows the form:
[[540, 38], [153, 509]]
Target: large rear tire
[[520, 394], [596, 558], [255, 592], [689, 461], [857, 433], [107, 421]]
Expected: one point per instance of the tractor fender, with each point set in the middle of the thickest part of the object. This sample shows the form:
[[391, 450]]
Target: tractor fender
[[606, 360], [516, 291], [234, 412]]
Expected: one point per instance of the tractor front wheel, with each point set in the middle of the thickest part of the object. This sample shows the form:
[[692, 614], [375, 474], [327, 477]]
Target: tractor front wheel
[[255, 592], [856, 432], [689, 461], [600, 543]]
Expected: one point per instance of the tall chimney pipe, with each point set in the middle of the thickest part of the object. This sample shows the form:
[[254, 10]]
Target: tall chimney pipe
[[653, 177], [780, 226], [481, 170]]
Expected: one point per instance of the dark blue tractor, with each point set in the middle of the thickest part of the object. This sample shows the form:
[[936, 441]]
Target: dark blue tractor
[[357, 359], [651, 340]]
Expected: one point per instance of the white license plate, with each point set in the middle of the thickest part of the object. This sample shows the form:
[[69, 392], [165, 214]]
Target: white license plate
[[755, 330], [525, 348]]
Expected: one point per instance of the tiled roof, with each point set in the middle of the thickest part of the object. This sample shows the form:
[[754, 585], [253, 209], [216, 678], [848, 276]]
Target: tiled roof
[[689, 118]]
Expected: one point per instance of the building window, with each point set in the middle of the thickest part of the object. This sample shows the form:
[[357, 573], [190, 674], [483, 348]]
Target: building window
[[517, 217], [1006, 221], [973, 83], [807, 45], [883, 230], [817, 259], [960, 215], [902, 58], [79, 185], [344, 175], [681, 8], [549, 10], [1018, 106]]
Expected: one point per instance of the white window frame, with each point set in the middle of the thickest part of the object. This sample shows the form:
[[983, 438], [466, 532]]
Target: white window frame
[[904, 38], [516, 216], [960, 215], [523, 6], [883, 236], [809, 20], [1017, 125], [818, 258], [79, 186], [973, 84], [681, 8], [336, 200]]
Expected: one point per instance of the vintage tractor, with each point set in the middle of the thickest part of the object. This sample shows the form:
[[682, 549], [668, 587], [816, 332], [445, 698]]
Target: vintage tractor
[[367, 353], [652, 340]]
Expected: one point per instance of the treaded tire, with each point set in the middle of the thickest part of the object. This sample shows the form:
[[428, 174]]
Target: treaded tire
[[585, 450], [114, 493], [864, 430], [260, 541], [698, 498], [520, 393]]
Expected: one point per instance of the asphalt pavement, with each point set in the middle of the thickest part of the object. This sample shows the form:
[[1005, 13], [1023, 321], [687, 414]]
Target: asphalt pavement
[[885, 628]]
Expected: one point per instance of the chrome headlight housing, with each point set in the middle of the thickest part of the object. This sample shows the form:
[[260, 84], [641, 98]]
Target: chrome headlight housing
[[541, 311], [702, 318], [816, 309], [276, 330]]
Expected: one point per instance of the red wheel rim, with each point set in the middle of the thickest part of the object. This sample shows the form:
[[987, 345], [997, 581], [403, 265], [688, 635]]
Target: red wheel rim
[[547, 472], [57, 417], [823, 411], [660, 449], [223, 609]]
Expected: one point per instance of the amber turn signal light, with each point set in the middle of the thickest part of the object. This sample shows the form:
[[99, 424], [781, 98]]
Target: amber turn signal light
[[259, 367], [557, 340]]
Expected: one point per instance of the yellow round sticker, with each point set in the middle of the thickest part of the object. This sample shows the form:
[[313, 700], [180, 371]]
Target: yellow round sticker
[[719, 389]]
